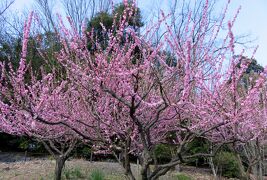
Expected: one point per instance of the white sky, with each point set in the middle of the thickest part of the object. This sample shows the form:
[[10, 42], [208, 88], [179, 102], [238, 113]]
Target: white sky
[[252, 20]]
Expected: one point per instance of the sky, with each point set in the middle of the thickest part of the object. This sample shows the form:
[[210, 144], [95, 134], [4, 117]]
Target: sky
[[251, 21]]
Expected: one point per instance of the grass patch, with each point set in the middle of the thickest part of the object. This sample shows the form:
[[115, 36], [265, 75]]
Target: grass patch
[[115, 177], [182, 176]]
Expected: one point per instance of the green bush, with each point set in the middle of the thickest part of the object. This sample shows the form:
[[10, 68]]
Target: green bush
[[85, 152], [97, 175], [73, 173], [20, 143], [82, 151], [163, 152], [198, 145], [227, 165]]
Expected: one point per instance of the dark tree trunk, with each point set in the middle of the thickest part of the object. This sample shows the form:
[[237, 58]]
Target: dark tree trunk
[[145, 172], [60, 153], [130, 175], [126, 160], [127, 167], [241, 168], [60, 161], [144, 175]]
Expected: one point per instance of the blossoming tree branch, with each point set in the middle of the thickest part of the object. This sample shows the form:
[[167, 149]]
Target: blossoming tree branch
[[127, 94]]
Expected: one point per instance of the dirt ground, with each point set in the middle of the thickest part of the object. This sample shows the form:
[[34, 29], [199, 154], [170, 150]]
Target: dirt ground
[[42, 169]]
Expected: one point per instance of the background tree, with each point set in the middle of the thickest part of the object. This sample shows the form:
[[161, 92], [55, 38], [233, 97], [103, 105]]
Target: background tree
[[81, 10], [252, 152], [103, 22]]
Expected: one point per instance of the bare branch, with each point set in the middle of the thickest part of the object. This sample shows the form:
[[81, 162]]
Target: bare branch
[[5, 5]]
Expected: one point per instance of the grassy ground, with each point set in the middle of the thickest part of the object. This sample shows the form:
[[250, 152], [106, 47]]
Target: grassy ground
[[81, 169]]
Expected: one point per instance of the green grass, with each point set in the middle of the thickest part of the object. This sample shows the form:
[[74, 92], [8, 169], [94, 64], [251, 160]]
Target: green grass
[[181, 176]]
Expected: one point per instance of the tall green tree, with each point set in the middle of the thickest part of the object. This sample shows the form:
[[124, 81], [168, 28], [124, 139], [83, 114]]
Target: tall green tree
[[105, 19]]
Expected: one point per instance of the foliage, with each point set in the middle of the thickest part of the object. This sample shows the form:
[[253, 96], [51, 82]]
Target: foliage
[[106, 20], [19, 143], [40, 53], [198, 145], [11, 51], [83, 150], [86, 152], [97, 175], [227, 165], [24, 144], [253, 66], [134, 20], [251, 73], [163, 152], [73, 173], [103, 18]]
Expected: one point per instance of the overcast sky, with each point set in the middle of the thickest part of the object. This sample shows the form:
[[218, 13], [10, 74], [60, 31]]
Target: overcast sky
[[252, 20]]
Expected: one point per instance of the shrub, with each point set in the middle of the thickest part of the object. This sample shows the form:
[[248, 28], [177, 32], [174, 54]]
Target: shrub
[[73, 173], [227, 165], [97, 175], [198, 145], [163, 152]]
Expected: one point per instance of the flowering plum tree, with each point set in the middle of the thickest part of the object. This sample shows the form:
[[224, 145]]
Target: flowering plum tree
[[127, 97], [42, 106], [140, 99]]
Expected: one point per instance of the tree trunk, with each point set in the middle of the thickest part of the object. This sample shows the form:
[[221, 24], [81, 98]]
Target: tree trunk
[[144, 175], [127, 166], [126, 160], [130, 175], [212, 167], [60, 161], [145, 170], [243, 174], [260, 175], [260, 163]]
